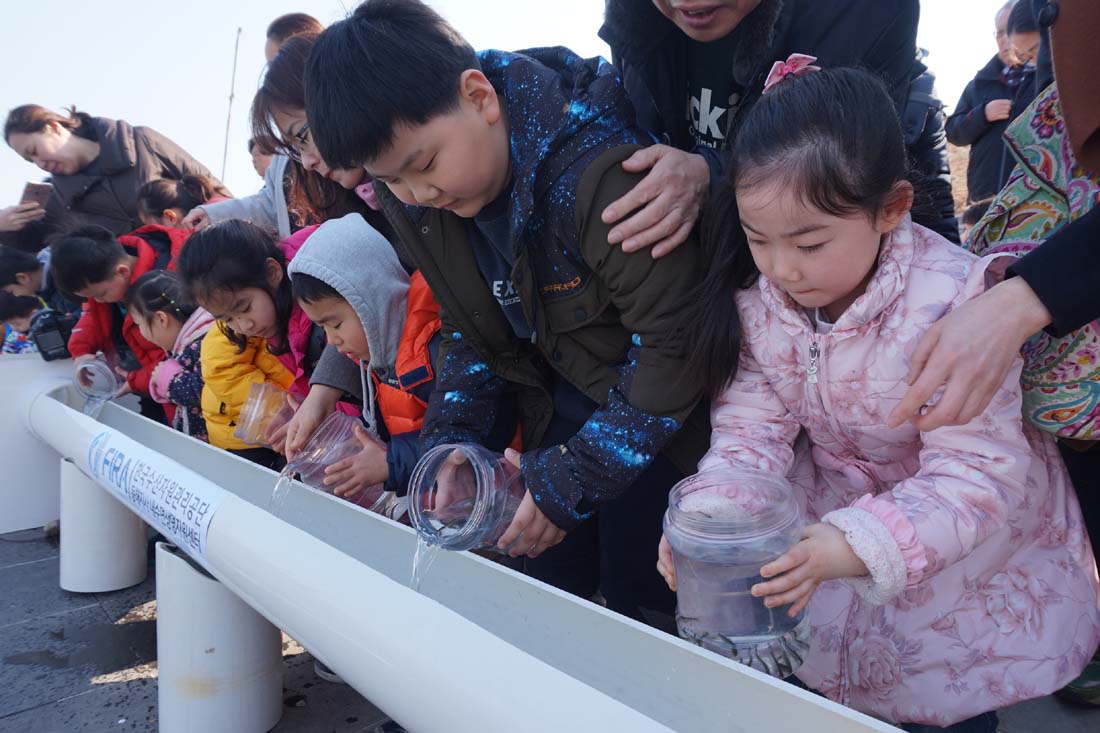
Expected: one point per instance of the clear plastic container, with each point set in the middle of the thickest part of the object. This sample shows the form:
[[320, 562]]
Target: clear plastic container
[[95, 379], [332, 441], [723, 527], [98, 383], [463, 497], [264, 411]]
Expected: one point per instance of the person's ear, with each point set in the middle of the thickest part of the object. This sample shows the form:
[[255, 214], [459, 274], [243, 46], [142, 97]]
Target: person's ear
[[170, 216], [273, 273], [475, 88], [896, 206], [123, 270], [161, 318], [23, 278]]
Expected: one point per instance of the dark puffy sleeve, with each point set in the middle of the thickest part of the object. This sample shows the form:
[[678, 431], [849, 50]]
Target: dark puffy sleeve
[[889, 52], [967, 122]]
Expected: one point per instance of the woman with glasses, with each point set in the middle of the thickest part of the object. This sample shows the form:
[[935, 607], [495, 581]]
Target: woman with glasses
[[300, 189]]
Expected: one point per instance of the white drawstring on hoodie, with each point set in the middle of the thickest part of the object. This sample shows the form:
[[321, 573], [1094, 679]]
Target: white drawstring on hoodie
[[396, 506], [368, 404]]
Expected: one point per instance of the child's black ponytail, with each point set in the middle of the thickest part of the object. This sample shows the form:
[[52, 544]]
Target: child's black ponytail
[[163, 291], [161, 194], [711, 316]]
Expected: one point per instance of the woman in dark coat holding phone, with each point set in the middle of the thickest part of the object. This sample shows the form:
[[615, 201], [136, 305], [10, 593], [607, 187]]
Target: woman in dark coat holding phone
[[97, 166]]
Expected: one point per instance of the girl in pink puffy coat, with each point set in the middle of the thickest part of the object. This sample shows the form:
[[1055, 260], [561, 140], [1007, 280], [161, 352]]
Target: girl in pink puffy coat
[[947, 574]]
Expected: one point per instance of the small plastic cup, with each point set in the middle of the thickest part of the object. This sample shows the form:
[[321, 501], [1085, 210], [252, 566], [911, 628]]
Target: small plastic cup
[[463, 497], [332, 441], [264, 411]]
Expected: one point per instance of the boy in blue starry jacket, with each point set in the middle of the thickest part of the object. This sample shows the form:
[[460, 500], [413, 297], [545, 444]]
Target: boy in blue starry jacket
[[494, 169]]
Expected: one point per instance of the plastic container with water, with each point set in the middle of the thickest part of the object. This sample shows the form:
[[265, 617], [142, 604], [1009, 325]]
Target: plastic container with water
[[98, 382], [463, 497], [332, 441], [264, 411], [724, 526]]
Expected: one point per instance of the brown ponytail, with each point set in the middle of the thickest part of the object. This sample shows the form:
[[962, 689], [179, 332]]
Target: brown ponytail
[[185, 194]]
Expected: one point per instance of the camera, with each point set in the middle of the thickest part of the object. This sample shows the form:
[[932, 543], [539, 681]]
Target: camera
[[50, 331]]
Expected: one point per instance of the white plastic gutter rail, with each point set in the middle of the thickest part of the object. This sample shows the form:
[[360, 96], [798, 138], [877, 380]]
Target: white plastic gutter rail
[[479, 648]]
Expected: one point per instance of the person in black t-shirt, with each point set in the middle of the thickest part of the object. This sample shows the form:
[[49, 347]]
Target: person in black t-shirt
[[692, 68], [713, 93]]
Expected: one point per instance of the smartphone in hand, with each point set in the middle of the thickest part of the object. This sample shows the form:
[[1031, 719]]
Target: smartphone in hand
[[37, 193]]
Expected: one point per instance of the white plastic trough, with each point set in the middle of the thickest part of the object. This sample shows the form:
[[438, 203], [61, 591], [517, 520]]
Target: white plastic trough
[[479, 648]]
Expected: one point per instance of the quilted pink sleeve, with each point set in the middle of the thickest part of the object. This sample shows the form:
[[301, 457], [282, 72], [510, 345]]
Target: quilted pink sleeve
[[750, 426], [162, 377]]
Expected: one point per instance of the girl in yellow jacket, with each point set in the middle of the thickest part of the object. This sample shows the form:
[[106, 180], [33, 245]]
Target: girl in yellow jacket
[[229, 374]]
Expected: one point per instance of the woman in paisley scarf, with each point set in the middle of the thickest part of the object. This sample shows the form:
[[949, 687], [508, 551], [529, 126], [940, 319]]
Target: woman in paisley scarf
[[1049, 303]]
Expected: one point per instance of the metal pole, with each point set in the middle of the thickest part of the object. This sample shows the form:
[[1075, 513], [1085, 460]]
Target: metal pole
[[229, 112]]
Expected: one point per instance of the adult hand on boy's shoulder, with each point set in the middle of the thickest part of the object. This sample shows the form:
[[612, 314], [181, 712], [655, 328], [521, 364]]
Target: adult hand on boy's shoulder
[[665, 204], [531, 533]]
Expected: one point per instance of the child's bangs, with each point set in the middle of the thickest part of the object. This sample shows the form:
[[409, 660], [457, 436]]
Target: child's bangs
[[815, 174], [310, 289]]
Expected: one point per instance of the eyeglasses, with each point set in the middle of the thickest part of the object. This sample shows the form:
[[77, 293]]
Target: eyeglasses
[[299, 142]]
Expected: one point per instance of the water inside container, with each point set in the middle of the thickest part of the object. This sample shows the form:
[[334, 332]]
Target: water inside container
[[716, 610], [333, 441], [463, 497], [724, 526]]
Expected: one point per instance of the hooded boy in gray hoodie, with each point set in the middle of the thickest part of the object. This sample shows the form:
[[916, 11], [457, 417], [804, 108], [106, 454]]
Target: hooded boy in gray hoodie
[[348, 280]]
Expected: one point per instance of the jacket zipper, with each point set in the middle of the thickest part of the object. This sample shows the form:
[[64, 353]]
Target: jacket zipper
[[814, 374]]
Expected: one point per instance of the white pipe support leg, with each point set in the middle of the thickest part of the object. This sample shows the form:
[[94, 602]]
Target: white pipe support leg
[[103, 543], [220, 664], [29, 491]]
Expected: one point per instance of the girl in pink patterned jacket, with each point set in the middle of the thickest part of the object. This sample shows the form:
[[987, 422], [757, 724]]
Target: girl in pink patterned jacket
[[947, 573]]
